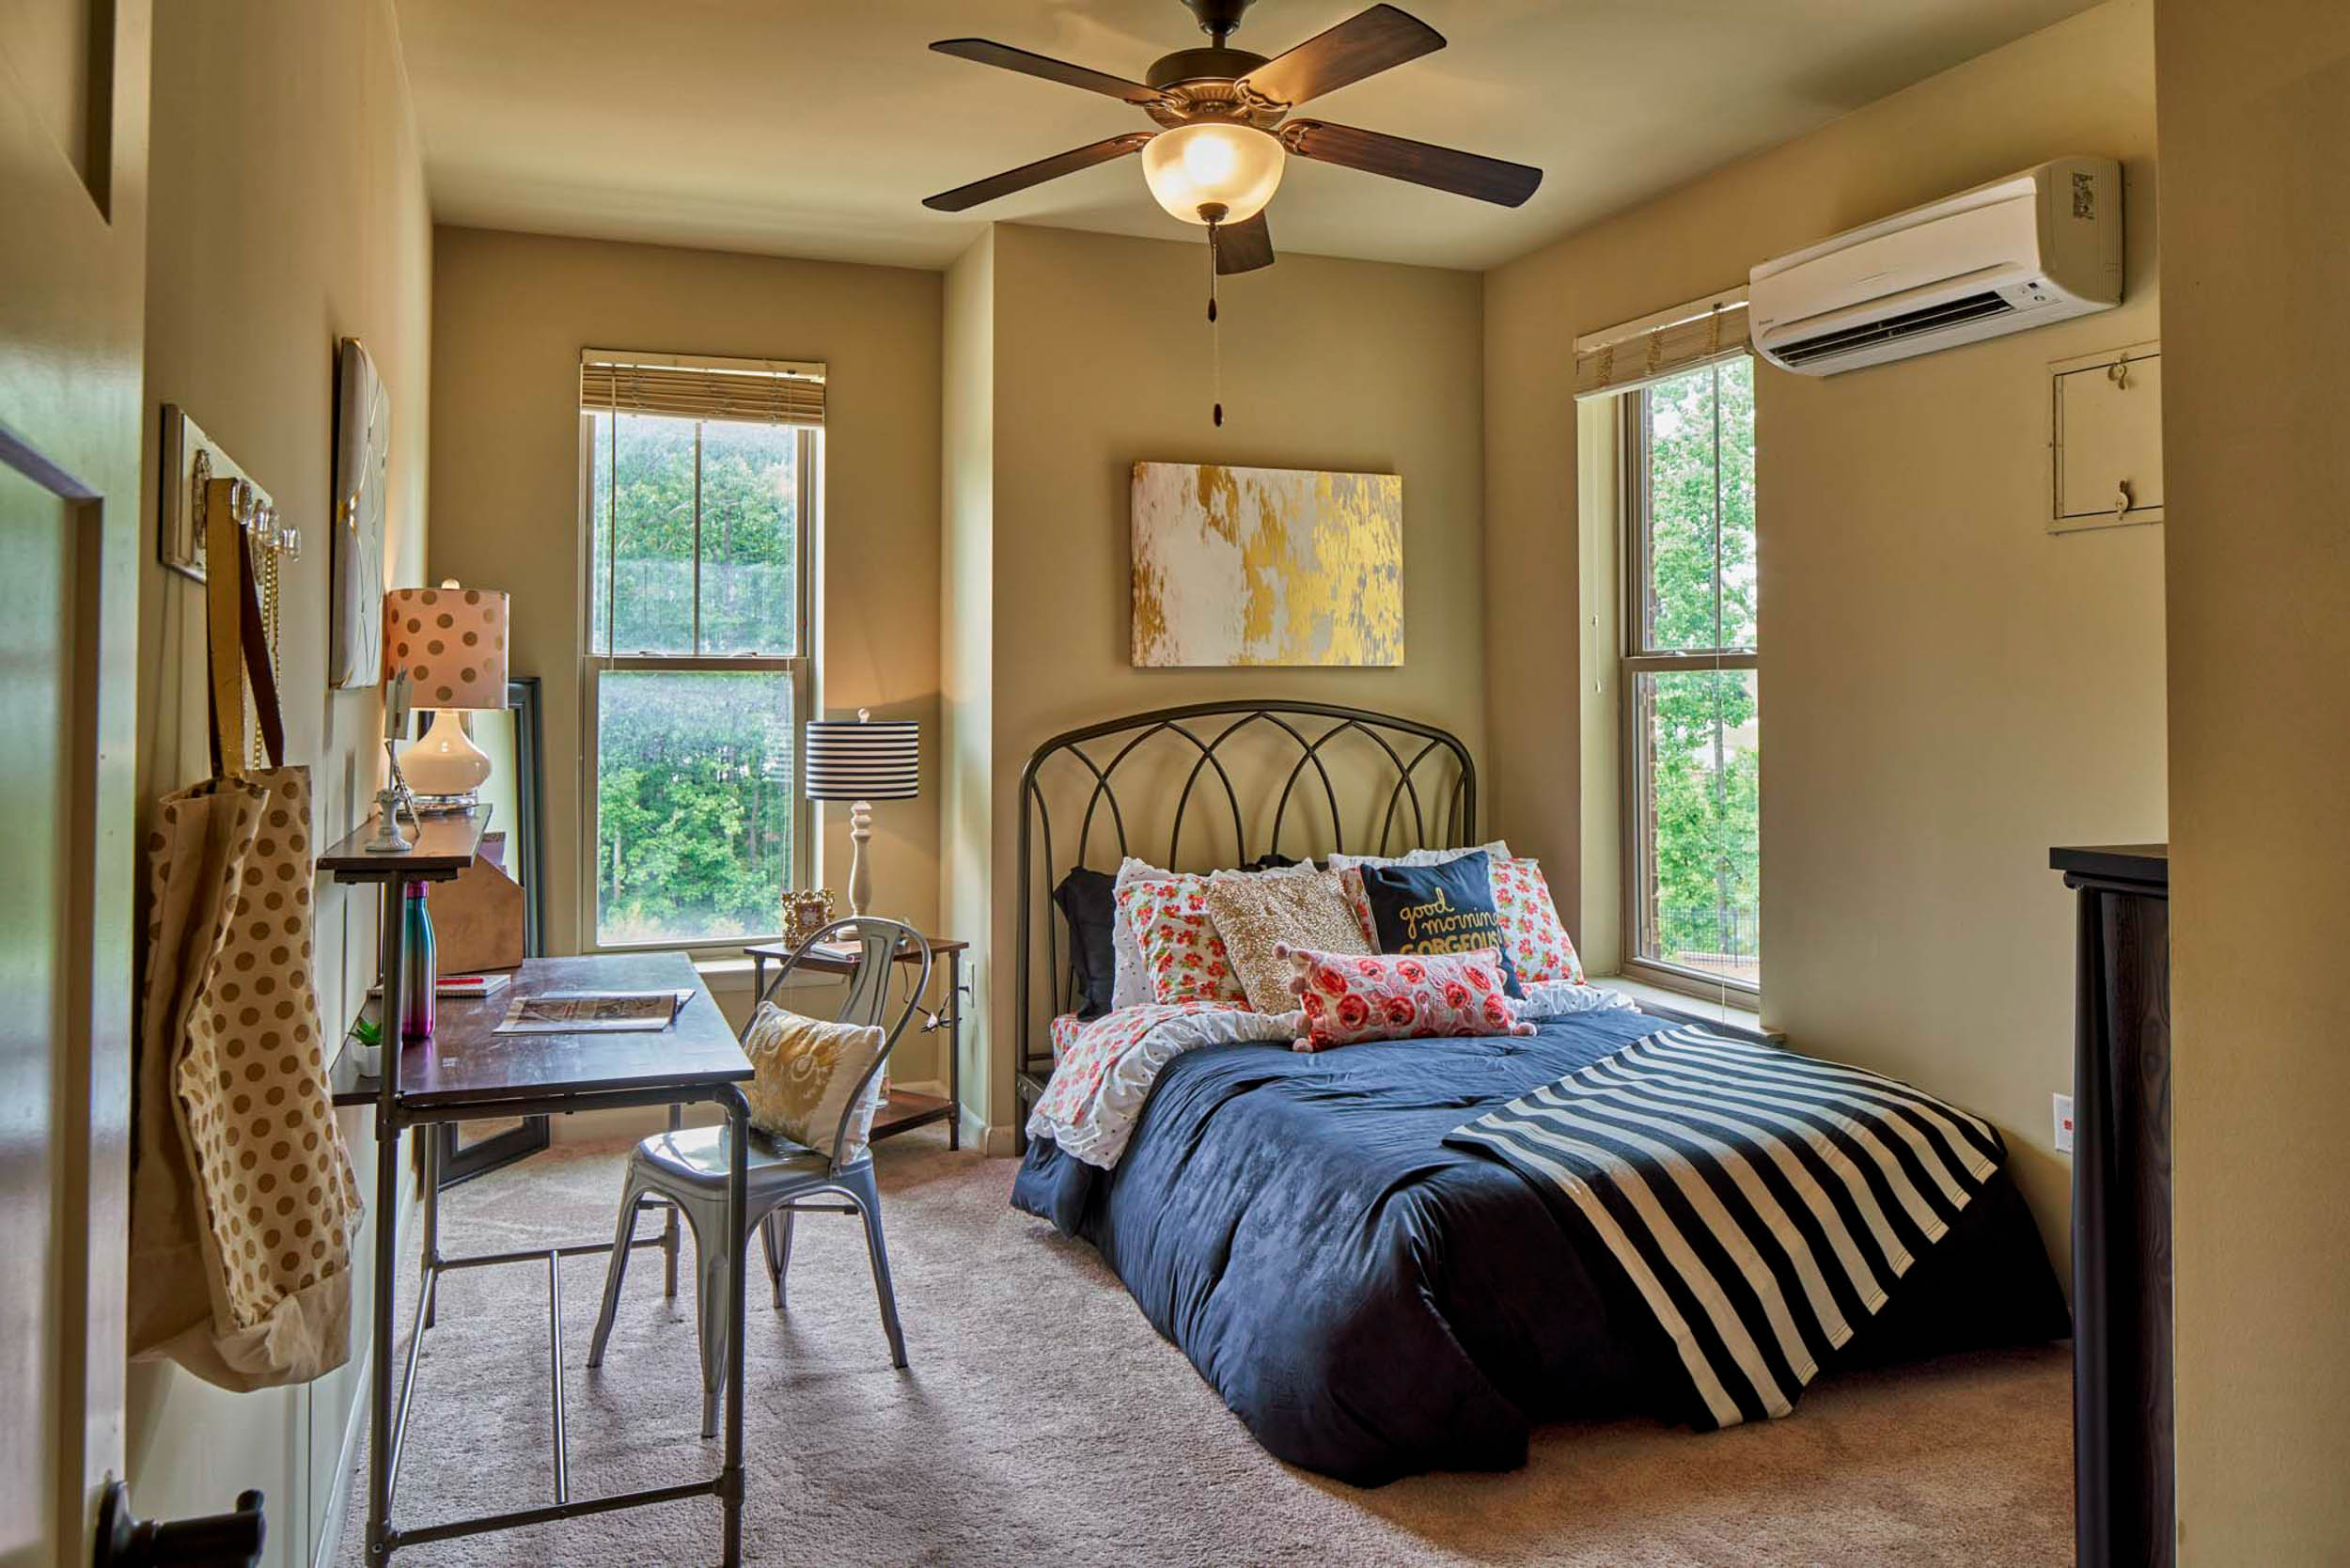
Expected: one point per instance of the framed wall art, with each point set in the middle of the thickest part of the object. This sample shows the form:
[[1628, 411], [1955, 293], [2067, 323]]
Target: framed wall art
[[363, 448], [1266, 566]]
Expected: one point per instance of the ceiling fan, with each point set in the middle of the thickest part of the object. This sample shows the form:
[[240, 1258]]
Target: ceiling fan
[[1225, 129]]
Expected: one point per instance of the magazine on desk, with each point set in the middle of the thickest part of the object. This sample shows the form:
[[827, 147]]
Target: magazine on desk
[[594, 1011]]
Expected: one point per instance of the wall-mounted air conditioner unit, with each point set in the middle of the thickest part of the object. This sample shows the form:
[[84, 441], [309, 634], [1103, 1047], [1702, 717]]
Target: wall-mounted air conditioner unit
[[2022, 252]]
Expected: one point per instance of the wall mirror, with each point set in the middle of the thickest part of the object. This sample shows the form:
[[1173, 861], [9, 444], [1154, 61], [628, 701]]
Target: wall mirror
[[515, 795]]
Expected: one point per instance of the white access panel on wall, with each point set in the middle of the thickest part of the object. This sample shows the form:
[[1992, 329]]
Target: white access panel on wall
[[2107, 439]]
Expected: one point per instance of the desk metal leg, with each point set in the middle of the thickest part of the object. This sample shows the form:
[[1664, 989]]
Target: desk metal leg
[[954, 1051], [738, 1242], [429, 1150], [393, 942]]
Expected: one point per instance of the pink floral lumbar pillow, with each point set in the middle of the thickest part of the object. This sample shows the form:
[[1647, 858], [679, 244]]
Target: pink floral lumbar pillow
[[1540, 949], [1350, 997], [1182, 952]]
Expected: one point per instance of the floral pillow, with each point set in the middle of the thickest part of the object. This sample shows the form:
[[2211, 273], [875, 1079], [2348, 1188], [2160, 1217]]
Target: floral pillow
[[1349, 998], [1350, 885], [1539, 946], [1180, 950]]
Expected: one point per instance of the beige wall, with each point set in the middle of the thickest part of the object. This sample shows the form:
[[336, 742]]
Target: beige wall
[[288, 210], [1100, 358], [511, 313], [1946, 690], [2256, 245], [967, 627]]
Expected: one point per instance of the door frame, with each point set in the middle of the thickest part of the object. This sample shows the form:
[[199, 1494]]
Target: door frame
[[72, 325]]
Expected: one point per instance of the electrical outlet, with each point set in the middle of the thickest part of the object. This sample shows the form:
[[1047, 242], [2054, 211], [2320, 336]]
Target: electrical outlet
[[2063, 1123]]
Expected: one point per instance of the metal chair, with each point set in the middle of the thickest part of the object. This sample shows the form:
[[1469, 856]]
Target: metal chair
[[686, 1168]]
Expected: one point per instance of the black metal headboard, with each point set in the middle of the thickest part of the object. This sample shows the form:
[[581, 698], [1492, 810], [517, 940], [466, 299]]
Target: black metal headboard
[[1406, 785]]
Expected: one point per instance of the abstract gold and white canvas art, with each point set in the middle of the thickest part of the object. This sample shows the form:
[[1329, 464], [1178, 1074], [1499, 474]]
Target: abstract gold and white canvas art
[[1266, 566]]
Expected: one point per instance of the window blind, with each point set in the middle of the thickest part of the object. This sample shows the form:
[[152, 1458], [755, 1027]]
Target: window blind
[[749, 391], [1627, 357]]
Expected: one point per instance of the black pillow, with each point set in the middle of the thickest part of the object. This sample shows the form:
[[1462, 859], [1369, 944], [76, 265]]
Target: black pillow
[[1273, 860], [1439, 909], [1088, 901]]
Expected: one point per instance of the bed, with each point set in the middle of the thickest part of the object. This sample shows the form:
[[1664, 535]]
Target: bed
[[1371, 1300]]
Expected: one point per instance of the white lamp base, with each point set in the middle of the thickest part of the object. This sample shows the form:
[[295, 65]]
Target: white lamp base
[[860, 873], [443, 765]]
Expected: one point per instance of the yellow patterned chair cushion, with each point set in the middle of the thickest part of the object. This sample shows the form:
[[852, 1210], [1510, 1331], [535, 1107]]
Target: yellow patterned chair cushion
[[1256, 915], [807, 1070]]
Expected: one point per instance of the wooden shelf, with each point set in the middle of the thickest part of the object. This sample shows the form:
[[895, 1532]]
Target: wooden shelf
[[445, 845], [905, 1110]]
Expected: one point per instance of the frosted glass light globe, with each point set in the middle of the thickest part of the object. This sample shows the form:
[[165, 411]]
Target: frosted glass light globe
[[1237, 167]]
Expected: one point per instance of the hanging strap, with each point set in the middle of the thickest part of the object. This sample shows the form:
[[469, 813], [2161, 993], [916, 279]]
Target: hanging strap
[[234, 634]]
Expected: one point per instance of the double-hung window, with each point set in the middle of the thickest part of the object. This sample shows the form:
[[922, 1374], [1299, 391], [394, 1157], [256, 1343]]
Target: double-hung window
[[1692, 853], [704, 485]]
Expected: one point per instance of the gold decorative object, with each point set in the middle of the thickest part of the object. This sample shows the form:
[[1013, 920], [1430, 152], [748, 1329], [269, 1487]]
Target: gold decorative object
[[806, 912], [1266, 566]]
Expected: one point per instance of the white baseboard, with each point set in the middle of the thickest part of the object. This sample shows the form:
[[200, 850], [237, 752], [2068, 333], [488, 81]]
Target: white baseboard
[[994, 1142], [323, 1551]]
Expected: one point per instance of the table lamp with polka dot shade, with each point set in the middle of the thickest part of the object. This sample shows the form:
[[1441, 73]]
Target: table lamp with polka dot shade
[[449, 643]]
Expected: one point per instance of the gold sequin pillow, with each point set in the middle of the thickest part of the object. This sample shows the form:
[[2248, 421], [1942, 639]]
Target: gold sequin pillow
[[807, 1070], [1257, 916]]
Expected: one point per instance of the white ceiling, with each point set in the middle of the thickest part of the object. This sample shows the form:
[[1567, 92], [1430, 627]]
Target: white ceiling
[[815, 127]]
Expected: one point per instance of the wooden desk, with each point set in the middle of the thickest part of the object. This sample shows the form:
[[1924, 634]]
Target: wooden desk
[[467, 1064], [465, 1071], [902, 1110]]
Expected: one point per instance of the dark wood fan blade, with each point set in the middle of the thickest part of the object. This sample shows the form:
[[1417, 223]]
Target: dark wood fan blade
[[1021, 61], [1441, 169], [1243, 247], [1362, 46], [1004, 184]]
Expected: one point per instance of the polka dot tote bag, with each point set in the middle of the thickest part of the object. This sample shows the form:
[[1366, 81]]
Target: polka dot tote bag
[[244, 1201]]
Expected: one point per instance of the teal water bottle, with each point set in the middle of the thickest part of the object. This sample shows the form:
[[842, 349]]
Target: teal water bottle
[[423, 972]]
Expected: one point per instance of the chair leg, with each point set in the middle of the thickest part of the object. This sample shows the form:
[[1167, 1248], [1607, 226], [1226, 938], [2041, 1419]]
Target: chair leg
[[782, 1219], [668, 1224], [631, 1194], [713, 1258], [866, 1197], [774, 1266]]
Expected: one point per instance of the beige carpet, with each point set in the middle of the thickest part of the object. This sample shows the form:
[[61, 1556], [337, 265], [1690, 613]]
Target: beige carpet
[[1044, 1422]]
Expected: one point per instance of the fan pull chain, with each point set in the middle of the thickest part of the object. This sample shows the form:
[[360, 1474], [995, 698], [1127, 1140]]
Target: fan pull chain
[[1215, 340]]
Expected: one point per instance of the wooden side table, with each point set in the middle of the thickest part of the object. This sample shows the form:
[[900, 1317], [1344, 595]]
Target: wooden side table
[[902, 1110]]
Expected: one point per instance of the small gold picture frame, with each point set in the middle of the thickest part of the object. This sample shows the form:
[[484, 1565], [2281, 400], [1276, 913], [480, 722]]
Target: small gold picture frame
[[806, 912]]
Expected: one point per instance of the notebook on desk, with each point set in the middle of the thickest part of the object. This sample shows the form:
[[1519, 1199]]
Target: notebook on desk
[[594, 1011]]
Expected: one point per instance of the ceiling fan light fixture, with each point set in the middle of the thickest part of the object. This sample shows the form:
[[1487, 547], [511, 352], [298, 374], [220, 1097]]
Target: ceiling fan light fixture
[[1213, 163]]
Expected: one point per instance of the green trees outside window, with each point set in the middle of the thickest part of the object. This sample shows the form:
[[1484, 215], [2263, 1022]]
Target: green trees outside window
[[1692, 676], [694, 621]]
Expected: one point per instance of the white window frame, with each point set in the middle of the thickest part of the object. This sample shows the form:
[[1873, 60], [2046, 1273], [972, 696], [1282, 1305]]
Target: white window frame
[[1635, 660], [808, 467]]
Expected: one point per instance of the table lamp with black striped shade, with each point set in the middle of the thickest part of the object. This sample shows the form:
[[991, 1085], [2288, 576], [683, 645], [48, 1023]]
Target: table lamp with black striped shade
[[862, 760]]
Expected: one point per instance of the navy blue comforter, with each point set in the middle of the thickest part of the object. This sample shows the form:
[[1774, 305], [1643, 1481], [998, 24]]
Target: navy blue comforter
[[1373, 1303]]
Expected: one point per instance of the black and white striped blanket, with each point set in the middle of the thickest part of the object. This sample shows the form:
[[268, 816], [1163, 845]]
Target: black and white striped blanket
[[1759, 1203]]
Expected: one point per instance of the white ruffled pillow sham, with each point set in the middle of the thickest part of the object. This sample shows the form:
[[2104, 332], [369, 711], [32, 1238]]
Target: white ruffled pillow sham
[[1559, 998], [1497, 849]]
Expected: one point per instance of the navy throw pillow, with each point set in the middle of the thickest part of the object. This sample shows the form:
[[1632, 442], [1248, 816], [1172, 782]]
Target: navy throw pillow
[[1439, 909], [1088, 901]]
